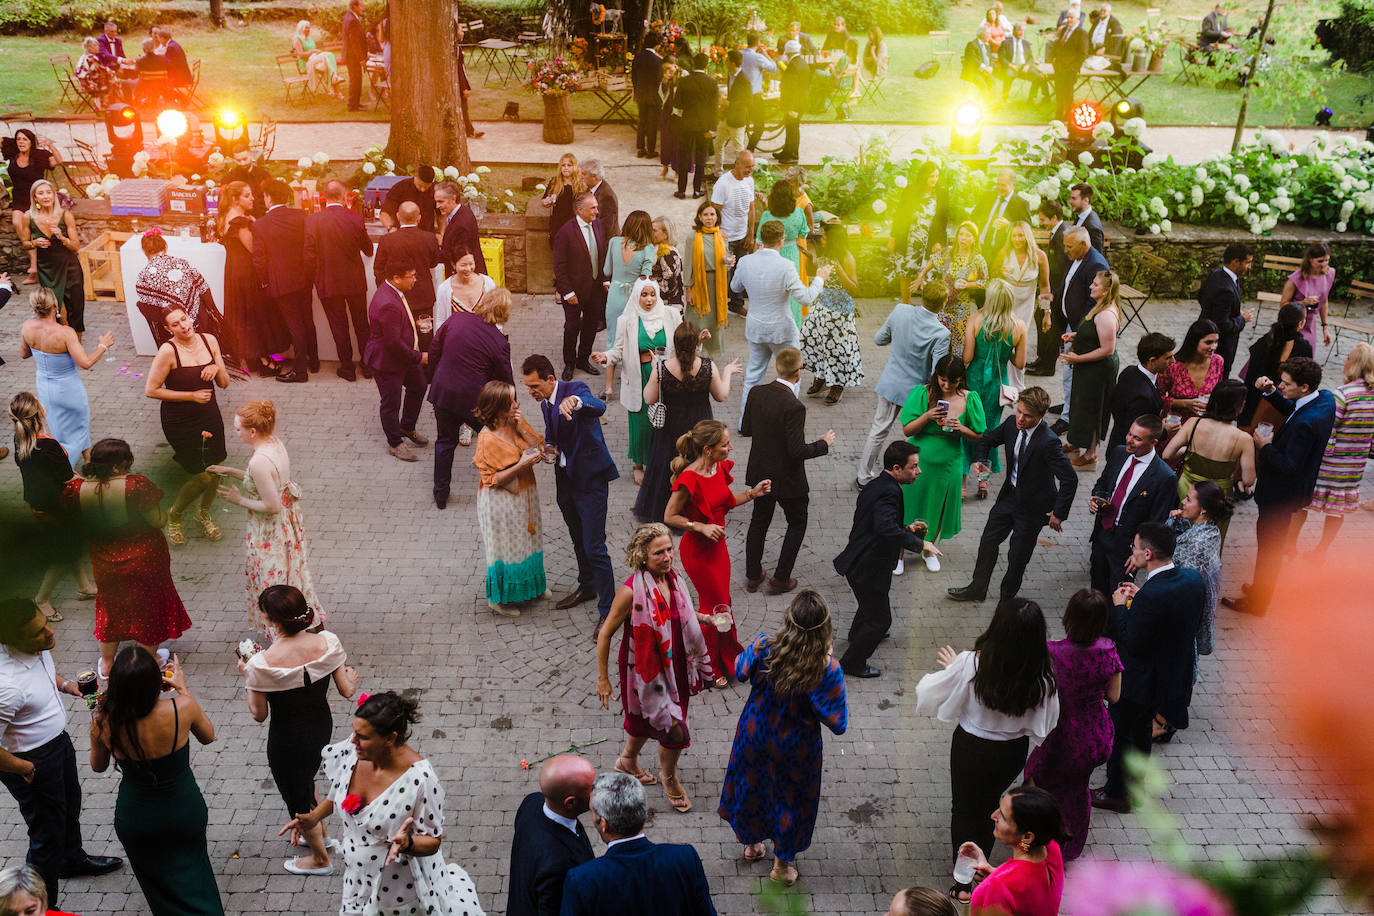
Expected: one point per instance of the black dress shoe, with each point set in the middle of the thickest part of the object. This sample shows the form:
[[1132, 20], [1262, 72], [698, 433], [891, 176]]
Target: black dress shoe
[[1040, 370], [366, 372], [90, 865], [1101, 799], [293, 377], [346, 373], [567, 373], [967, 593], [313, 364], [580, 594], [868, 671], [441, 502], [680, 195], [1057, 408], [1060, 427], [696, 194], [1244, 605], [476, 134], [586, 366]]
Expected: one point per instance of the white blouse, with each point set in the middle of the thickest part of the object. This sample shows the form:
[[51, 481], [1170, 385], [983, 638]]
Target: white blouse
[[443, 298], [265, 678], [949, 695]]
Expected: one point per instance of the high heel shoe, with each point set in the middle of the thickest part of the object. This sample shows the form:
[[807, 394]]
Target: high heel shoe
[[207, 524], [174, 533]]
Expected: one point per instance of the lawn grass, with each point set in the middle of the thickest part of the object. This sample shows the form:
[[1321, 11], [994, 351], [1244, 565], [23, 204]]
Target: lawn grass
[[239, 70]]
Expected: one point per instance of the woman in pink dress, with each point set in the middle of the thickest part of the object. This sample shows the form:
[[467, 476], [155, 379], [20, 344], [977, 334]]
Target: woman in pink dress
[[1031, 882], [701, 497], [1195, 371], [1310, 286]]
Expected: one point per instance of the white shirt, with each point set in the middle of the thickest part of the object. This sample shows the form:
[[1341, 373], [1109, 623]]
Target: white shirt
[[1017, 448], [1151, 573], [625, 839], [1082, 216], [949, 695], [31, 710], [1017, 57], [569, 822], [1303, 401], [1154, 379], [1100, 33], [794, 387], [771, 281], [734, 195], [1234, 278], [1128, 467], [274, 206], [998, 207]]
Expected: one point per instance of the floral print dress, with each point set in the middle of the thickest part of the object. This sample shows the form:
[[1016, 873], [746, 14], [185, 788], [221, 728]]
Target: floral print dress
[[277, 550], [954, 314], [830, 341]]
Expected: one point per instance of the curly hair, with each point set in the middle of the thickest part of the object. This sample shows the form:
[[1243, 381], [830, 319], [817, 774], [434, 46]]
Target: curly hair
[[782, 199], [637, 551], [801, 651]]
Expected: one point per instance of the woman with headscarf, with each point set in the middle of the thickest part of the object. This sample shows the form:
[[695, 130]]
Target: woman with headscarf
[[169, 282]]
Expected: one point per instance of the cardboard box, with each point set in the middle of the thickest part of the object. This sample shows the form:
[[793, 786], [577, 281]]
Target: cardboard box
[[187, 199], [140, 197]]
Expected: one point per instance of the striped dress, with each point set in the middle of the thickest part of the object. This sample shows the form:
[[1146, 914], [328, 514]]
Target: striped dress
[[1338, 482]]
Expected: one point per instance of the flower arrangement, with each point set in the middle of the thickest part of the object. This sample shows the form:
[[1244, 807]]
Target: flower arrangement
[[552, 76], [1149, 38], [672, 32], [578, 51]]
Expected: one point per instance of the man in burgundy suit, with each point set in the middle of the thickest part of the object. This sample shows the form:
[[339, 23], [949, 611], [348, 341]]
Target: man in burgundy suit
[[335, 244], [279, 259], [415, 248], [394, 355], [459, 227], [579, 250]]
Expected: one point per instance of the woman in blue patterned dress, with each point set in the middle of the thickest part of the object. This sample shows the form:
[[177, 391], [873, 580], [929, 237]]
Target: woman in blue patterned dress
[[773, 781]]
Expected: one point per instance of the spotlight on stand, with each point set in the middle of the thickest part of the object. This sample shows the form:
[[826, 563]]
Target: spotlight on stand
[[172, 124], [231, 129], [124, 130], [967, 130], [1323, 118], [1126, 109], [1083, 117]]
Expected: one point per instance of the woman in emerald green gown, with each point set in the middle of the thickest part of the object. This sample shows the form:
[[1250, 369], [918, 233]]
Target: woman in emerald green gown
[[994, 337]]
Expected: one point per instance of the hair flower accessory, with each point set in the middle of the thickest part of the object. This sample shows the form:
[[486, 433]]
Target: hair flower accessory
[[363, 698], [352, 804]]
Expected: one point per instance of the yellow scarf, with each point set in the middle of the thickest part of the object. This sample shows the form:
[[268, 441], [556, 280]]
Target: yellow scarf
[[699, 295]]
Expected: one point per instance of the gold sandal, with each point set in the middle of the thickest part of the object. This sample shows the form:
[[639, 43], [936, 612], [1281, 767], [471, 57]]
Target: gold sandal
[[207, 524], [681, 803], [174, 533]]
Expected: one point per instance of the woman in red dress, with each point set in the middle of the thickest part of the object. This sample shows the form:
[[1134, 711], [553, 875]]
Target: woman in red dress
[[701, 497], [118, 513]]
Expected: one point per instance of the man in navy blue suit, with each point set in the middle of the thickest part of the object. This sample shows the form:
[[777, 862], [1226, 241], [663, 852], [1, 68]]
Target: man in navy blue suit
[[549, 840], [1136, 487], [1220, 301], [1085, 263], [335, 244], [1154, 627], [634, 876], [393, 354], [582, 476], [1288, 466]]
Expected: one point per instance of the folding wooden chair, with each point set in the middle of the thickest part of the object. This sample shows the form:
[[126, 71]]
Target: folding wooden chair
[[872, 87], [940, 47], [1284, 265], [1361, 294], [291, 77], [62, 70], [189, 93], [267, 137], [1189, 63], [82, 165]]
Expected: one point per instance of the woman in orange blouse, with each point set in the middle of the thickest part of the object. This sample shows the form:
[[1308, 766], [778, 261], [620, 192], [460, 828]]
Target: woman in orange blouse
[[508, 500]]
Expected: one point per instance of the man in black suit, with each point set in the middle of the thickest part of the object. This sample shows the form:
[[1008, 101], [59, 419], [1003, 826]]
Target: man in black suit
[[794, 33], [549, 839], [579, 251], [1049, 318], [734, 117], [1215, 33], [178, 67], [876, 541], [1288, 466], [699, 99], [976, 67], [1039, 489], [1085, 263], [607, 204], [354, 52], [995, 214], [1221, 302], [1137, 392], [411, 247], [1154, 635], [279, 259], [1136, 487], [777, 422], [459, 228], [335, 244], [464, 86], [646, 73], [394, 355], [246, 169], [1066, 52], [1081, 205], [794, 91], [418, 190], [1018, 63], [1104, 31]]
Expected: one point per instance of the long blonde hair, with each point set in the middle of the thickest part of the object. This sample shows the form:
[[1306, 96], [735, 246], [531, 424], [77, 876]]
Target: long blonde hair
[[1361, 364], [556, 184], [696, 440], [30, 422], [998, 321], [802, 650], [1113, 298], [1032, 249], [53, 215]]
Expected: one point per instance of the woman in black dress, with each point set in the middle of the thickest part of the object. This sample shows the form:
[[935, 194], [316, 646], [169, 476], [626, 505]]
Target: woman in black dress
[[561, 192], [28, 159], [290, 681], [686, 396], [252, 330], [45, 470], [183, 377]]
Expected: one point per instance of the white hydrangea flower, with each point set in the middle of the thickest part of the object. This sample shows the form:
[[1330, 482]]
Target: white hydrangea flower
[[508, 192], [1276, 170], [879, 205], [510, 206], [1103, 130], [1151, 160], [1341, 226], [1273, 140], [1242, 206], [1209, 185], [1085, 158], [1178, 197], [1337, 170], [541, 187], [95, 189], [320, 158], [1197, 196], [1200, 174], [1154, 228], [1254, 196], [900, 181], [1262, 208], [1133, 127], [1347, 208], [1032, 201], [388, 165], [373, 150], [1347, 184], [369, 168], [140, 168], [451, 172], [1065, 173], [472, 178], [482, 170], [142, 156], [1166, 225], [471, 193], [304, 163], [1059, 130], [1283, 204], [1242, 181], [1157, 206]]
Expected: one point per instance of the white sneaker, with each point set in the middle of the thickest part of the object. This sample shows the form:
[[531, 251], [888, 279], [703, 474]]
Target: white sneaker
[[933, 563], [900, 567]]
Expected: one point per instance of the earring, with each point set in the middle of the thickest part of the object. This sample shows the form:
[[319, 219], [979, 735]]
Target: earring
[[1024, 845]]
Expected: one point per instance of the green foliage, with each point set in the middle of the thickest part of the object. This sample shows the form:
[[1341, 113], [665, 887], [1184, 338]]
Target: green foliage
[[1351, 36], [726, 21]]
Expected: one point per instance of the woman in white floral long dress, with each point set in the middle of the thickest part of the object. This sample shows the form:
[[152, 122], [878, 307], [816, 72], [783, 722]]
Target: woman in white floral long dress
[[830, 341], [392, 820], [277, 550]]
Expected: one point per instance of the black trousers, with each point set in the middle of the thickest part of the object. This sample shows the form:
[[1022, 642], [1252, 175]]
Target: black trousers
[[398, 414], [756, 114], [340, 310], [467, 119], [791, 133], [980, 770], [51, 806], [1227, 345], [646, 131], [872, 620], [794, 509], [1047, 343], [584, 512], [738, 248], [693, 152], [1004, 520], [580, 324], [1132, 722], [355, 83], [1271, 535], [295, 310], [446, 443], [1106, 567]]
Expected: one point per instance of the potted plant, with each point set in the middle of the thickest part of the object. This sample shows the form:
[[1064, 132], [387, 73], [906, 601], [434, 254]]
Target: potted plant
[[1152, 41], [554, 78]]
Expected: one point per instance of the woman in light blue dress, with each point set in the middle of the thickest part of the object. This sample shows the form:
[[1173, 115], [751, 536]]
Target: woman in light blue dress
[[57, 354], [630, 256], [782, 206]]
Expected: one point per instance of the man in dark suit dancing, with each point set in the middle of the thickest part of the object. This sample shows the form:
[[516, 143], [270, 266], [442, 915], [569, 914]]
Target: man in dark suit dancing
[[1038, 490], [579, 252], [582, 476], [1137, 390], [393, 354], [1154, 627], [354, 52], [1136, 487], [876, 541], [646, 73], [279, 259], [1221, 302], [459, 227], [549, 839], [335, 244], [794, 88], [411, 248], [699, 99], [634, 876], [1085, 263], [1288, 466], [1049, 319], [777, 421]]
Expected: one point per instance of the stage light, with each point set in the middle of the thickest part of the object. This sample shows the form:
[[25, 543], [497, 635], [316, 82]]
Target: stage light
[[967, 130], [1084, 116], [1323, 118], [231, 129], [124, 131], [1126, 109], [172, 124]]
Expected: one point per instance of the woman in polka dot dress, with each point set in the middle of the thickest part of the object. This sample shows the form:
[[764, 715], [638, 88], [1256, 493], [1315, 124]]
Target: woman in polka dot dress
[[393, 819]]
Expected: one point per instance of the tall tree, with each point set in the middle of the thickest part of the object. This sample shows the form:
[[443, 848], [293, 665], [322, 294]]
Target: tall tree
[[1250, 77], [426, 119]]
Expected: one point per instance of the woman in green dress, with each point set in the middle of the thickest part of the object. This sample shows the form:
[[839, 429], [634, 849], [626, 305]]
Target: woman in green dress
[[782, 206], [994, 337], [641, 336], [160, 815], [1094, 361], [51, 231], [630, 256], [318, 65], [940, 419], [964, 271]]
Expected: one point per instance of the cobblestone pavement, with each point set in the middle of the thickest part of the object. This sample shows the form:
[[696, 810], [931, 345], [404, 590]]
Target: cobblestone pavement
[[402, 583]]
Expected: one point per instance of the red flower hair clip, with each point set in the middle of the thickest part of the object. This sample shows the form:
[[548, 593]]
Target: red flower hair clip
[[149, 233], [363, 698]]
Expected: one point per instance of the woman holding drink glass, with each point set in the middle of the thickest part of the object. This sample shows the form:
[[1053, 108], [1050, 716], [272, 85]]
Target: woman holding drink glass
[[1031, 882], [1309, 286]]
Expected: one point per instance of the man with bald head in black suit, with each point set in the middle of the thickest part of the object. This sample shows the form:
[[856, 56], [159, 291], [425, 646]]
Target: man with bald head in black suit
[[549, 839]]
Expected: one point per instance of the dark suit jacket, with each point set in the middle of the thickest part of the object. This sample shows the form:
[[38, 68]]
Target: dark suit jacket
[[607, 210], [1077, 301], [1007, 53], [1155, 637], [1059, 262], [541, 853], [464, 355], [777, 421], [1093, 224], [579, 440], [464, 84], [794, 85], [737, 99], [972, 65], [877, 536], [405, 190], [646, 72], [699, 99], [461, 229], [178, 68], [409, 246], [1068, 56], [1113, 29], [279, 251], [804, 39], [1135, 396], [1213, 29], [1016, 211], [335, 244], [1288, 466], [391, 335], [638, 877], [1220, 301], [573, 271], [110, 51], [5, 293], [257, 177], [354, 40], [1152, 496], [1046, 481]]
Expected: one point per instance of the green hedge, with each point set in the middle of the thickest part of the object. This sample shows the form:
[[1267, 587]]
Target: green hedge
[[1350, 36], [724, 22]]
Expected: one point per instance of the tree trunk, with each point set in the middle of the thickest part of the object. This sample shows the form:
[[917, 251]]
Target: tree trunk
[[426, 117], [217, 13], [1250, 78]]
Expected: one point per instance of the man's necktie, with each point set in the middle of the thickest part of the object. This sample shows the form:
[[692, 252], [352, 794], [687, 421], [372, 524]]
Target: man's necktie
[[1123, 486], [1016, 456]]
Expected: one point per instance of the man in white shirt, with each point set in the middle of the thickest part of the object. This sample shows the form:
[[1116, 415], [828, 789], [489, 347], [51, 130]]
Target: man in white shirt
[[734, 192], [755, 64], [1136, 487], [770, 281], [37, 760]]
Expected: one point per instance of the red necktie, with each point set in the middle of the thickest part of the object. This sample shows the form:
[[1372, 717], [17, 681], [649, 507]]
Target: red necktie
[[1119, 495]]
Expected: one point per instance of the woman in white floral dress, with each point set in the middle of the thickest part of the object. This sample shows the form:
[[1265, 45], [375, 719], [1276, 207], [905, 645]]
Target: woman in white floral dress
[[277, 550], [830, 341], [392, 820]]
